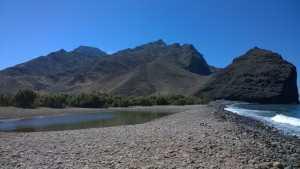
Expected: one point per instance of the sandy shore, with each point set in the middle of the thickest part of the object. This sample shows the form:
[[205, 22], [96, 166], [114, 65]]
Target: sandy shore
[[195, 137]]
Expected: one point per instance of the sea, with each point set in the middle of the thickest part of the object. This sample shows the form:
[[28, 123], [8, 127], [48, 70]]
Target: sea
[[286, 118]]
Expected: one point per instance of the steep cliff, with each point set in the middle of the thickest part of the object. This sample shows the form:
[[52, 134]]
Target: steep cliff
[[258, 76]]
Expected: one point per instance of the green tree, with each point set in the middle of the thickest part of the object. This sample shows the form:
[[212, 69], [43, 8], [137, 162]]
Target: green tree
[[53, 101], [121, 102], [86, 101], [25, 98], [161, 100], [6, 100], [144, 101]]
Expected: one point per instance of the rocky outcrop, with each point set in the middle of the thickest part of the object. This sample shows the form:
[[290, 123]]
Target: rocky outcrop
[[258, 76]]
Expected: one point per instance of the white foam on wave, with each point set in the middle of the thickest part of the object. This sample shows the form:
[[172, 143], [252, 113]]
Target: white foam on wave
[[245, 112], [233, 110], [287, 124], [286, 120], [255, 114]]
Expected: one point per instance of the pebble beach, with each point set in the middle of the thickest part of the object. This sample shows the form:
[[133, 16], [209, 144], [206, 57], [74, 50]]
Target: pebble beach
[[193, 137]]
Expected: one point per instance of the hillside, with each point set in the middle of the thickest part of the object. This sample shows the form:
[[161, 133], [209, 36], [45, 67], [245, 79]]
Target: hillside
[[157, 68], [153, 68]]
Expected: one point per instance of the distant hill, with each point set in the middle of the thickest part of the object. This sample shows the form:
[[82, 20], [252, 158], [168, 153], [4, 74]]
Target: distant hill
[[153, 68]]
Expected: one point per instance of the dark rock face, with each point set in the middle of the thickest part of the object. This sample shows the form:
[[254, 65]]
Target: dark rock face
[[258, 76]]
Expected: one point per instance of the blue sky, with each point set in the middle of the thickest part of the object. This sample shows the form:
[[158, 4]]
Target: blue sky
[[221, 30]]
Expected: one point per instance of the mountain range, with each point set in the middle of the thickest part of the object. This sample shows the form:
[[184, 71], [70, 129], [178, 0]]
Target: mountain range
[[155, 68]]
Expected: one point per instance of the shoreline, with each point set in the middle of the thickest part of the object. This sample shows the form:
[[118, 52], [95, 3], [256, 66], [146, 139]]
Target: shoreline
[[220, 105], [20, 113], [203, 136]]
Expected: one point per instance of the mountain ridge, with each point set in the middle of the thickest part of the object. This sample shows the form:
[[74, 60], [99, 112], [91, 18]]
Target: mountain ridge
[[80, 71], [157, 68]]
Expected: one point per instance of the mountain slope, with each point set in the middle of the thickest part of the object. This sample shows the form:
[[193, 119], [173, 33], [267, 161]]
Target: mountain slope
[[153, 68]]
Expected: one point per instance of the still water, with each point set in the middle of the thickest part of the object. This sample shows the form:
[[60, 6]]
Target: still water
[[77, 121]]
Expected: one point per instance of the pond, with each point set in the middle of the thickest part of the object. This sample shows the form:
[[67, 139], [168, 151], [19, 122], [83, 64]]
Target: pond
[[77, 121]]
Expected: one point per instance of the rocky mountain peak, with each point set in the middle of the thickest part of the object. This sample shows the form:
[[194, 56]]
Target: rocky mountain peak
[[159, 42], [189, 46], [58, 52], [260, 55], [155, 44], [256, 51], [89, 51]]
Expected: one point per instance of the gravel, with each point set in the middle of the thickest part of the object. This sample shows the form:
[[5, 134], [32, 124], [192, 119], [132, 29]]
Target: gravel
[[200, 136]]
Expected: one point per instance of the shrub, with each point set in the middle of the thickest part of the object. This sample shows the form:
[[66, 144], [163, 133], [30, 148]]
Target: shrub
[[86, 101], [162, 100], [29, 99], [179, 101], [174, 99], [53, 101], [120, 102], [25, 98], [6, 100], [143, 101]]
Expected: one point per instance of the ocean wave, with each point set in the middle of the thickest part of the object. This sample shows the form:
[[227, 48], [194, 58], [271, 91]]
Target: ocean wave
[[243, 111], [286, 120], [287, 124]]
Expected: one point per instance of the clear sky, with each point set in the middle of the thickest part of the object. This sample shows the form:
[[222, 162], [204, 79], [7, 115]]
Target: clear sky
[[219, 29]]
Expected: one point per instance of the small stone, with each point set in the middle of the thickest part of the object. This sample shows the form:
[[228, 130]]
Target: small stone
[[265, 165], [59, 162], [278, 165], [288, 167]]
